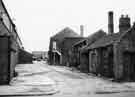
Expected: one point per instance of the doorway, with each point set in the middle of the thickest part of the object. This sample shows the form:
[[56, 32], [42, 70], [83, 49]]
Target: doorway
[[4, 60], [129, 66]]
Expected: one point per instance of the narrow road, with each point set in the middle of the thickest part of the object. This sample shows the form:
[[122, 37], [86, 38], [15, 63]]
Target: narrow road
[[40, 79]]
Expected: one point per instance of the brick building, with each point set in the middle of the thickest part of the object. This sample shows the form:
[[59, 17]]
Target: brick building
[[10, 44], [113, 55], [81, 52], [56, 45]]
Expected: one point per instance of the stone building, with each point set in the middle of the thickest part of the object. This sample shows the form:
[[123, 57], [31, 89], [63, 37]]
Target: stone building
[[113, 55], [9, 45], [80, 50], [56, 45]]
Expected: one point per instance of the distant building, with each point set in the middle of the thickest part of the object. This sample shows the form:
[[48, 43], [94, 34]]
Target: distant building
[[40, 55], [56, 45], [24, 57]]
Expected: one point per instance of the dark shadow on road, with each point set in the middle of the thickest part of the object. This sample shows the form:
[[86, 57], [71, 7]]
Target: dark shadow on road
[[36, 73]]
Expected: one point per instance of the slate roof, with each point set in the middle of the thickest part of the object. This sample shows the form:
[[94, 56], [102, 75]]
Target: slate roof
[[106, 40], [92, 38], [110, 39], [66, 32], [96, 36], [79, 42]]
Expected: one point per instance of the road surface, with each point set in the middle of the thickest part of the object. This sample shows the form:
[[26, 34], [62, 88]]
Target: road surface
[[42, 80]]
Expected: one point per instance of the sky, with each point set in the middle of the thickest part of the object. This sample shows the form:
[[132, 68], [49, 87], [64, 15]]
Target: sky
[[38, 20]]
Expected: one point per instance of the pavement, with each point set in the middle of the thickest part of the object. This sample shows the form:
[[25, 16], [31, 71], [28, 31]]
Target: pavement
[[31, 81], [40, 79]]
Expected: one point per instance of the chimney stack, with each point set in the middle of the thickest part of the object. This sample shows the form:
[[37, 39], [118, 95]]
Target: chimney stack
[[81, 30], [124, 23], [110, 23]]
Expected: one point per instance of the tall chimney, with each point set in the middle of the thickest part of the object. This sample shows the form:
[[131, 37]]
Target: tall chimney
[[81, 30], [110, 23]]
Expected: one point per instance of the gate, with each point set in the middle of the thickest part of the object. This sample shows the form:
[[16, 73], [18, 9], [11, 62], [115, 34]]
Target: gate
[[4, 60]]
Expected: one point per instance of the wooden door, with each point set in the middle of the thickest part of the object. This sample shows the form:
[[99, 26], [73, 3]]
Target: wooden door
[[132, 67], [129, 66]]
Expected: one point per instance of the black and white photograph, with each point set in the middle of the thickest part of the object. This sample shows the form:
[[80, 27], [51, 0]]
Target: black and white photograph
[[67, 48]]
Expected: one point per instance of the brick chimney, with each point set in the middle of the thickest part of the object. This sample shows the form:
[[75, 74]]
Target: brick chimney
[[110, 23], [81, 30], [124, 23]]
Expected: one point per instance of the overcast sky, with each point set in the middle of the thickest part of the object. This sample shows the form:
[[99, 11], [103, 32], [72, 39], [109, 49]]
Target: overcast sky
[[37, 20]]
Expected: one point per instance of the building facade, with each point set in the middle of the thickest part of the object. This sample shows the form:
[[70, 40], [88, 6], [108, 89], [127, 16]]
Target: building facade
[[67, 51], [10, 43], [40, 55], [113, 55], [80, 50], [56, 45]]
